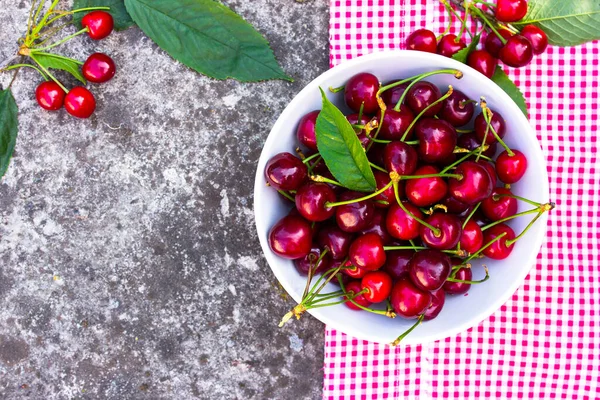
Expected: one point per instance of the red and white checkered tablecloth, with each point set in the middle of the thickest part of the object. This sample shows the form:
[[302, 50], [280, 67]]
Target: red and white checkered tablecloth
[[545, 342]]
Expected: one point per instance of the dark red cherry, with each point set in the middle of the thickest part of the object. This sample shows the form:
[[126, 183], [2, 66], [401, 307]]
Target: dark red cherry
[[306, 130], [474, 186], [353, 271], [493, 44], [395, 124], [454, 206], [499, 207], [449, 45], [312, 199], [517, 52], [438, 298], [423, 192], [422, 40], [471, 238], [378, 226], [378, 286], [437, 139], [457, 109], [382, 179], [537, 37], [449, 227], [429, 269], [80, 102], [98, 68], [400, 158], [400, 224], [310, 261], [479, 218], [375, 153], [491, 169], [354, 217], [483, 62], [286, 172], [499, 250], [463, 274], [396, 263], [469, 141], [334, 239], [510, 169], [408, 301], [481, 127], [353, 119], [50, 96], [291, 237], [421, 96], [392, 96], [354, 287], [510, 10], [99, 24], [362, 88], [367, 252]]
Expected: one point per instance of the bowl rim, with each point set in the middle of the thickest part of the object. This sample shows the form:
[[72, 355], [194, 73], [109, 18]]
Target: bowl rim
[[329, 76]]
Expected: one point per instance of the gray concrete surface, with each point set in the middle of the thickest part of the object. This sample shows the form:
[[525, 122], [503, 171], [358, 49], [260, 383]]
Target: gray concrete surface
[[129, 263]]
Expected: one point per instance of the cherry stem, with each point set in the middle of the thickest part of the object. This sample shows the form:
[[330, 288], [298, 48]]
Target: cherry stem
[[440, 175], [435, 230], [460, 253], [414, 121], [458, 74], [487, 276], [328, 296], [543, 209], [450, 13], [485, 19], [532, 211], [286, 195], [367, 197], [309, 158], [49, 74], [373, 140], [81, 32], [311, 167], [491, 242], [496, 197], [39, 26], [408, 331], [377, 167], [57, 56], [471, 215], [465, 157], [360, 111], [337, 89], [372, 125], [18, 66], [66, 13], [463, 28], [354, 295], [322, 179], [487, 115]]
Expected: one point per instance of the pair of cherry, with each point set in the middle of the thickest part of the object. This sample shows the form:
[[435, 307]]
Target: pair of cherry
[[98, 68]]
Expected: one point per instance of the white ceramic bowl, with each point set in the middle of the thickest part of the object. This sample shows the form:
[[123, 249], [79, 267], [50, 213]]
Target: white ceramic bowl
[[459, 312]]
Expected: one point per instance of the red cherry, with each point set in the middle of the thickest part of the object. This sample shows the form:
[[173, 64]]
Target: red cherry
[[310, 260], [429, 269], [378, 226], [99, 23], [454, 206], [510, 169], [80, 102], [99, 68], [286, 172], [396, 263], [471, 239], [481, 127], [537, 37], [518, 52], [474, 186], [378, 285], [449, 227], [367, 252], [493, 44], [353, 271], [438, 298], [499, 207], [483, 62], [354, 287], [311, 201], [291, 237], [395, 123], [306, 130], [362, 88], [421, 95], [356, 216], [408, 300], [401, 225], [463, 274], [449, 45], [424, 192], [392, 96], [491, 169], [382, 179], [510, 10], [50, 96], [437, 139], [499, 250], [470, 142], [400, 158], [457, 109], [422, 40], [334, 239]]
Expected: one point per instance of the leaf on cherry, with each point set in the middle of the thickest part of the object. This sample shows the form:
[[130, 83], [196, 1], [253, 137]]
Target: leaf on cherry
[[48, 60], [463, 54], [8, 128]]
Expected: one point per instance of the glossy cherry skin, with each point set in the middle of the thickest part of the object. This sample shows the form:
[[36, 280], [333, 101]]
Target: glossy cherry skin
[[99, 23], [518, 52], [367, 252], [457, 109], [80, 102], [510, 169], [400, 158], [312, 199], [437, 139], [378, 226], [449, 46], [400, 225], [481, 127], [479, 218], [382, 179], [392, 96], [491, 169], [98, 68], [499, 207], [286, 172], [471, 238], [408, 301], [395, 124], [421, 96], [291, 237], [483, 62], [450, 228], [454, 206], [423, 192], [396, 263], [375, 153], [354, 217], [306, 130], [378, 285], [310, 261], [438, 299], [510, 10], [361, 88], [429, 269], [355, 287], [463, 274], [353, 271], [493, 44], [50, 96], [537, 37], [353, 119], [422, 40], [474, 186], [334, 239], [469, 141], [499, 249]]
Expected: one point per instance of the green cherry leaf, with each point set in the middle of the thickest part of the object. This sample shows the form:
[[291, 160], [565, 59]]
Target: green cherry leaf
[[117, 10], [341, 150], [8, 128], [463, 54], [502, 80], [49, 60]]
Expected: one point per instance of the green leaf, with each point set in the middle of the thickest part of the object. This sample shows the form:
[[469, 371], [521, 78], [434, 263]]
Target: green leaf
[[207, 37], [117, 10], [502, 80], [340, 148], [8, 128], [463, 54], [54, 61], [566, 22]]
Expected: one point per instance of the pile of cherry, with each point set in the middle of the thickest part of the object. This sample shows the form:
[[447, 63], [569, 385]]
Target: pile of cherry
[[439, 203]]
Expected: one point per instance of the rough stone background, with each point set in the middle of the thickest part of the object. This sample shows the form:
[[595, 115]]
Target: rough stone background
[[129, 263]]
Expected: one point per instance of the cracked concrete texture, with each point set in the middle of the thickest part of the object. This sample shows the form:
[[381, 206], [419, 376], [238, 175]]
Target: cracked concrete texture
[[129, 262]]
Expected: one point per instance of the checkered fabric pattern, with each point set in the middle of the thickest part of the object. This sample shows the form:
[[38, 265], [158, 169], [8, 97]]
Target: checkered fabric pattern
[[545, 342]]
